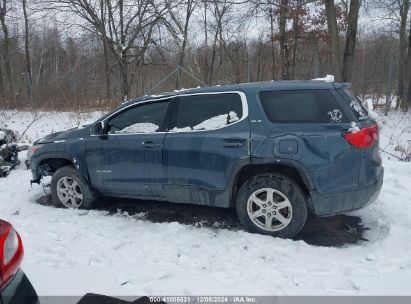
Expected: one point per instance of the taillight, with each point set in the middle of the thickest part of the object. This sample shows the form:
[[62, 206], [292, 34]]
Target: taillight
[[11, 252], [363, 138]]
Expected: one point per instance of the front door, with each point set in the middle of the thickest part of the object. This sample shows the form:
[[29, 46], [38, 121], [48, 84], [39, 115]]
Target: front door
[[127, 161]]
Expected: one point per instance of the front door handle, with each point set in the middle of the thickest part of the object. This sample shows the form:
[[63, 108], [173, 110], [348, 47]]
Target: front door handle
[[150, 144]]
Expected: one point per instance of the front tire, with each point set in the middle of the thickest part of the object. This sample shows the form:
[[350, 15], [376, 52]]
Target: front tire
[[68, 190], [273, 205]]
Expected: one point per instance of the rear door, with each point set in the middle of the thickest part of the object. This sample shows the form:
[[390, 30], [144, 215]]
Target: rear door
[[208, 138], [127, 161]]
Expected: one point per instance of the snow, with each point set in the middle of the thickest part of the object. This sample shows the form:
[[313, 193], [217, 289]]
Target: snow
[[328, 78], [354, 128], [142, 127], [212, 123], [2, 135], [71, 252]]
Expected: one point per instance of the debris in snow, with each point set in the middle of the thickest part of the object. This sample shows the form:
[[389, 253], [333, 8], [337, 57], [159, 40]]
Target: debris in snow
[[328, 78], [354, 128], [8, 152]]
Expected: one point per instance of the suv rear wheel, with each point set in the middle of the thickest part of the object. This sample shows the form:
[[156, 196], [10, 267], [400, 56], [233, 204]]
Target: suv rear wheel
[[67, 189], [273, 205]]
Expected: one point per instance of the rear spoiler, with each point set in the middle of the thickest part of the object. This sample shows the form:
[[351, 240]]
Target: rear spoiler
[[342, 85]]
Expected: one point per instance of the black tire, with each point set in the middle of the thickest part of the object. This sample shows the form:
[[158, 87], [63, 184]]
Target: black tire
[[88, 200], [292, 218]]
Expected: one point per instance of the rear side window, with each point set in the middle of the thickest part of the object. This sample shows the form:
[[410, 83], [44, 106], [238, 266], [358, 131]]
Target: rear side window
[[208, 111], [301, 106]]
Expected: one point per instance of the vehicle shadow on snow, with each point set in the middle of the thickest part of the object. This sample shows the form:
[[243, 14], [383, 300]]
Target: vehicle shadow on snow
[[334, 231]]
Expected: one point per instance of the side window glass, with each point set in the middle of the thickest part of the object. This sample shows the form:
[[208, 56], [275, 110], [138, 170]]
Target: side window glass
[[208, 112], [146, 118], [301, 106]]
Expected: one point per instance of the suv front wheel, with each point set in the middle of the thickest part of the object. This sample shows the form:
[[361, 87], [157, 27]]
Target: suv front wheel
[[272, 204], [69, 190]]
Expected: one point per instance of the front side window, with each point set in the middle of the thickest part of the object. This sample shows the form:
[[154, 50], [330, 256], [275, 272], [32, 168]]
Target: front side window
[[146, 118], [301, 106], [207, 112]]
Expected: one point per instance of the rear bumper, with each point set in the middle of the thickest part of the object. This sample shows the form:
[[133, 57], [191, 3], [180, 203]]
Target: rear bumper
[[19, 290], [330, 204]]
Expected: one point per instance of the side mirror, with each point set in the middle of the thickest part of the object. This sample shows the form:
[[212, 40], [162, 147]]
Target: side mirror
[[99, 128]]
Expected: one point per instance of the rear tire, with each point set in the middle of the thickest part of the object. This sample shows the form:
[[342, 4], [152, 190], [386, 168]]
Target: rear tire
[[68, 190], [272, 204]]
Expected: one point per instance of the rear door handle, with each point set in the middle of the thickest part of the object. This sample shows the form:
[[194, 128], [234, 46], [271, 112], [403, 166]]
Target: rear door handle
[[233, 144], [150, 144]]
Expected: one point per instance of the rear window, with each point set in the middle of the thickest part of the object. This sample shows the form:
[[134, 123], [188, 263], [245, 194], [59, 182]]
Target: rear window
[[301, 106], [355, 104]]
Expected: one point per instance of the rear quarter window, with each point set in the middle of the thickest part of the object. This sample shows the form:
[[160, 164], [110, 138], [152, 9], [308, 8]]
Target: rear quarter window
[[301, 106], [358, 109]]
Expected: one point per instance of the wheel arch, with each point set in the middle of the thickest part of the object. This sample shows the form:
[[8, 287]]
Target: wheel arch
[[49, 165], [286, 169]]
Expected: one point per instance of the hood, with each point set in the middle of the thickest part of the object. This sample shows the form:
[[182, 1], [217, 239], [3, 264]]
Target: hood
[[69, 134]]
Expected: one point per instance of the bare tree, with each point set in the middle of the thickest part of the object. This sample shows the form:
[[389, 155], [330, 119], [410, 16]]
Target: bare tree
[[126, 28], [179, 24]]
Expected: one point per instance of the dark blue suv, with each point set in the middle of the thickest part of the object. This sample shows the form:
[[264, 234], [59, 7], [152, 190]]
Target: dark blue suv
[[273, 151]]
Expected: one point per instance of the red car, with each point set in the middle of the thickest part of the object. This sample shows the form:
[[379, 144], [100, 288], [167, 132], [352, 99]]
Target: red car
[[15, 287]]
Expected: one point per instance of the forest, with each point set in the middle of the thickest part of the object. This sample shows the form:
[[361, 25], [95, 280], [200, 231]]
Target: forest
[[94, 54]]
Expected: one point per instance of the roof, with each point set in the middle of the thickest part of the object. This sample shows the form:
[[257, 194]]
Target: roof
[[244, 87]]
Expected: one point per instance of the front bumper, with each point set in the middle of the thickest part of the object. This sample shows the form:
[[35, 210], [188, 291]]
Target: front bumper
[[19, 290], [330, 204]]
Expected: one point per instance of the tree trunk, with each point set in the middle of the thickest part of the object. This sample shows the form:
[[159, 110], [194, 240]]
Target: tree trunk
[[205, 44], [105, 51], [333, 43], [27, 51], [401, 53], [2, 97], [350, 40], [296, 28], [6, 52], [189, 11], [283, 40], [124, 77], [272, 44], [407, 97]]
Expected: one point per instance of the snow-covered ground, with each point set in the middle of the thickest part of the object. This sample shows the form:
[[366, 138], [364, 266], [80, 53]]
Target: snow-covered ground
[[71, 252]]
